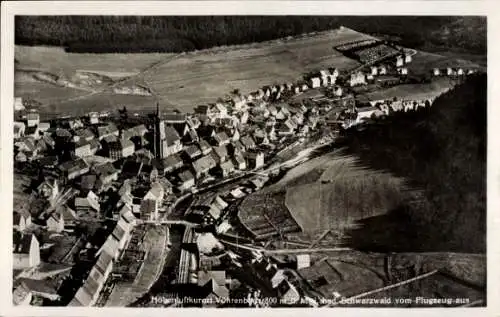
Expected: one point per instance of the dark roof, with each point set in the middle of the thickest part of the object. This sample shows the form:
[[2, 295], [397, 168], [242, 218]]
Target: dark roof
[[247, 141], [105, 169], [84, 133], [71, 166], [186, 176], [192, 151], [172, 162], [174, 117], [204, 163], [88, 182], [204, 145]]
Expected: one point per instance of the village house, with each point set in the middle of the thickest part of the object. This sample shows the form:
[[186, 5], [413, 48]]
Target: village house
[[19, 128], [81, 148], [436, 72], [33, 119], [450, 71], [172, 143], [460, 72], [254, 159], [205, 147], [26, 251], [357, 78], [220, 153], [382, 70], [221, 138], [186, 181], [106, 130], [284, 130], [33, 132], [192, 152], [214, 287], [93, 118], [83, 134], [239, 161], [151, 202], [55, 223], [106, 174], [21, 220], [49, 188], [248, 142], [408, 58], [120, 149], [399, 61], [373, 70], [315, 82], [169, 164], [226, 168], [403, 71], [366, 113], [26, 144], [174, 118], [68, 214], [203, 165], [74, 169], [87, 207]]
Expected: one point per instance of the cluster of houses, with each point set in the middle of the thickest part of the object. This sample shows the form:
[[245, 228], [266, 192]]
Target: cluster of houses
[[452, 72], [96, 168]]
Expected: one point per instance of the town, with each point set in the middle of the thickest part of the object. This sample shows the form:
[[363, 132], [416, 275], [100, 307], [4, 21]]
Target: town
[[114, 197]]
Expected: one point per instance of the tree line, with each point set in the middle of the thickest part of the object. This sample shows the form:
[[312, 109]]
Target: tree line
[[103, 34]]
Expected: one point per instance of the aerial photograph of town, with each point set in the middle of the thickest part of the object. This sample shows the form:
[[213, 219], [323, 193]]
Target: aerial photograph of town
[[249, 161]]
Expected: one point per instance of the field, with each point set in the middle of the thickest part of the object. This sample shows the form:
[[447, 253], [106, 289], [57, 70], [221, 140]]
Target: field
[[352, 272], [56, 60], [413, 91], [185, 80], [189, 79]]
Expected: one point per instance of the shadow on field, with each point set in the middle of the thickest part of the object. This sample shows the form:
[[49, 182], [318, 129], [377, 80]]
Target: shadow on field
[[397, 232], [441, 151]]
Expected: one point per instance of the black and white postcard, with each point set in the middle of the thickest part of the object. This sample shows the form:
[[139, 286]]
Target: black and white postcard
[[221, 155]]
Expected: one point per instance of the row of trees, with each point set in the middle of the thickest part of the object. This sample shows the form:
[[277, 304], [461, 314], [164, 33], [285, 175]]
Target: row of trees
[[184, 33]]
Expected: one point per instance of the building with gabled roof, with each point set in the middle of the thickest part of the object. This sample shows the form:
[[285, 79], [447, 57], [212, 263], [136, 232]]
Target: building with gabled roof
[[203, 165], [186, 180], [26, 251]]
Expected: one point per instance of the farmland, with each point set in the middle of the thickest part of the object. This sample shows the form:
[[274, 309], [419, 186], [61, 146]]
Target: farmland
[[188, 79]]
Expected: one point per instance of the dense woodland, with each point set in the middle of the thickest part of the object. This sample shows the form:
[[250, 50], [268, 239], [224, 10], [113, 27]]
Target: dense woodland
[[101, 34], [443, 151]]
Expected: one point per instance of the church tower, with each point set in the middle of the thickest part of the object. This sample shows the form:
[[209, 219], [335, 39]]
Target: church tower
[[159, 134]]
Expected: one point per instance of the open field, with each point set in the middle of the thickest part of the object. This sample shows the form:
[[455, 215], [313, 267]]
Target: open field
[[56, 60], [413, 91], [186, 80], [462, 275], [343, 194], [197, 77]]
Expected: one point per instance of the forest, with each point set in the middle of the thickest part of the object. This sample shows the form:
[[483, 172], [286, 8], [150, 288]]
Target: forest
[[443, 152], [106, 34]]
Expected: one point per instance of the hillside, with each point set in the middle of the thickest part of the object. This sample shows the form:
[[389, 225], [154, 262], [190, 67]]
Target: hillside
[[133, 34], [442, 152]]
